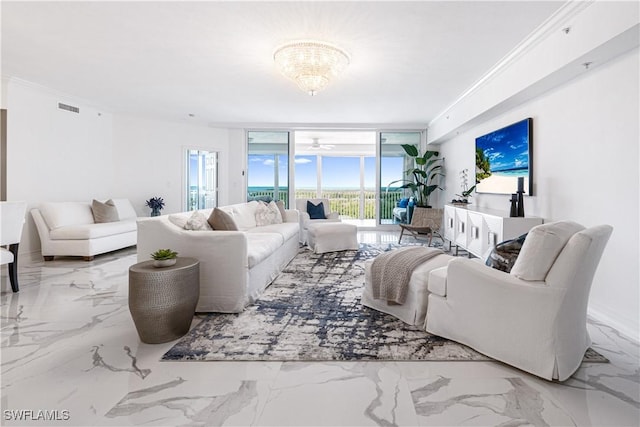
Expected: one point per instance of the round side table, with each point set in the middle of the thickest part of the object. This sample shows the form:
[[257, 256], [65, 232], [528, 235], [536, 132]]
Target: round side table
[[162, 300]]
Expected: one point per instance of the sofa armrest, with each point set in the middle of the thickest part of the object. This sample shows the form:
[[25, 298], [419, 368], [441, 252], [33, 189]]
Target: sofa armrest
[[333, 215]]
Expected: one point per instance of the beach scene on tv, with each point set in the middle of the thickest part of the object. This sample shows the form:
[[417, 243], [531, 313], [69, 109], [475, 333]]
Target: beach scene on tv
[[501, 157]]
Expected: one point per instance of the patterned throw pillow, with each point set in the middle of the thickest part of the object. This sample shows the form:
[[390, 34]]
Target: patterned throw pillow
[[504, 255], [315, 211], [267, 213], [197, 222]]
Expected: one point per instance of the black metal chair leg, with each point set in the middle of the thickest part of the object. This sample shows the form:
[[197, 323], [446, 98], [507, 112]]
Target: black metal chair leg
[[13, 268]]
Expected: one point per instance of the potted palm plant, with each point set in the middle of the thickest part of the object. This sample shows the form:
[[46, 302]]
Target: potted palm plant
[[424, 176]]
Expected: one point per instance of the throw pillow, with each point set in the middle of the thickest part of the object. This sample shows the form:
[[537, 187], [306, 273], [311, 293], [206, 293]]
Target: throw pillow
[[197, 222], [278, 218], [104, 212], [220, 220], [315, 211], [504, 254], [280, 205], [541, 248], [267, 216]]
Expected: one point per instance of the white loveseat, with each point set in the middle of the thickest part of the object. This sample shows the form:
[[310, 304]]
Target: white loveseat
[[235, 266], [69, 229]]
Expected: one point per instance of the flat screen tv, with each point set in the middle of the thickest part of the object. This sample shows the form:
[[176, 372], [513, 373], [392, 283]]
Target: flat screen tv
[[503, 156]]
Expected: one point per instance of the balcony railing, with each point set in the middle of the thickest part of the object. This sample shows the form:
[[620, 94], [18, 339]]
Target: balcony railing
[[350, 204]]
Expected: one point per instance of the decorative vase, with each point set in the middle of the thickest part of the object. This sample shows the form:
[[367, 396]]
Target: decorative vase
[[155, 212], [164, 262]]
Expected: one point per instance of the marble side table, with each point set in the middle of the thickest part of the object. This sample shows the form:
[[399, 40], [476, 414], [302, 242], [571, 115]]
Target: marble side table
[[162, 300]]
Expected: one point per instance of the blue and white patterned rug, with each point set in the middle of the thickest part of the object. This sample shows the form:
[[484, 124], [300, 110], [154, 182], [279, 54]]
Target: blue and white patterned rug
[[312, 311]]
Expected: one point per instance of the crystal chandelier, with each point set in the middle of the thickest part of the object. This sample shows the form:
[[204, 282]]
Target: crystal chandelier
[[311, 64]]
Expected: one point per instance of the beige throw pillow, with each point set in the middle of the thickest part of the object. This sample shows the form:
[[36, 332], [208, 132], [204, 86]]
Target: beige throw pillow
[[541, 248], [280, 205], [220, 220], [267, 214], [104, 212], [197, 222]]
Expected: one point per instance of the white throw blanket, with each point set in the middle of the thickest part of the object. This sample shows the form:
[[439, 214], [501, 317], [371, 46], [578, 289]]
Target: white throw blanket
[[391, 272]]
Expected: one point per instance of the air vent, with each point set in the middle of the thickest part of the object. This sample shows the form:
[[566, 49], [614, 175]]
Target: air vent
[[68, 107]]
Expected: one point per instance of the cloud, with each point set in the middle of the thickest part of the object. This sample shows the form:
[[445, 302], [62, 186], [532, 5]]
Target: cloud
[[302, 161], [268, 162]]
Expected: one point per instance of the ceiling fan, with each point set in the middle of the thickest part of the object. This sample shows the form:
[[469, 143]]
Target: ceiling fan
[[315, 145]]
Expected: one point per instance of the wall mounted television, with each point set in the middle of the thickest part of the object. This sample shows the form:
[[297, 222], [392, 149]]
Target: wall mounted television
[[503, 156]]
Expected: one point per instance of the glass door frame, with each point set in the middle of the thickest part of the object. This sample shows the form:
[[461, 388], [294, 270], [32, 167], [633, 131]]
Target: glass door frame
[[290, 163], [185, 175]]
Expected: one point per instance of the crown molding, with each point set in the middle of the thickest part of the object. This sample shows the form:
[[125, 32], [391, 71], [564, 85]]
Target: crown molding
[[554, 23]]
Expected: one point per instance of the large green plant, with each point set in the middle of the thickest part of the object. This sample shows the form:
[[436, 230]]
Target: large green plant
[[424, 175]]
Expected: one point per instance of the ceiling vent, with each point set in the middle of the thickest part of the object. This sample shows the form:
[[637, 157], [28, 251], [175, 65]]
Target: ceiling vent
[[68, 107]]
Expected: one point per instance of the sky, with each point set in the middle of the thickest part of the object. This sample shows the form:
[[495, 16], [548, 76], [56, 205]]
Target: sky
[[337, 172], [507, 148]]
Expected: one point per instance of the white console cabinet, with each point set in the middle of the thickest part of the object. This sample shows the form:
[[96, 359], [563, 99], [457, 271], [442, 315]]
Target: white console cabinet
[[477, 230]]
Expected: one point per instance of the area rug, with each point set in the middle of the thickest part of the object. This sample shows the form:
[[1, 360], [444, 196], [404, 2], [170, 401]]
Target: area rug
[[312, 312]]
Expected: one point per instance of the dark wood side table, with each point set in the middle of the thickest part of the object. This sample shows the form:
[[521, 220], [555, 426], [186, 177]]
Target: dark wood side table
[[162, 300]]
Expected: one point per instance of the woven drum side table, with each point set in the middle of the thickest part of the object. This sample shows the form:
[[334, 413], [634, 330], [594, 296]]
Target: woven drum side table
[[162, 300]]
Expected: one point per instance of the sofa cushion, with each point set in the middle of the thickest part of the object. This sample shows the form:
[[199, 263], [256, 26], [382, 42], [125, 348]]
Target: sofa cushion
[[243, 214], [197, 222], [92, 231], [541, 248], [316, 211], [261, 245], [61, 214], [125, 209], [286, 229], [222, 220], [104, 212], [180, 219]]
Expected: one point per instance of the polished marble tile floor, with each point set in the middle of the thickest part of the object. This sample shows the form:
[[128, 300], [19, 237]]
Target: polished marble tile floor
[[69, 347]]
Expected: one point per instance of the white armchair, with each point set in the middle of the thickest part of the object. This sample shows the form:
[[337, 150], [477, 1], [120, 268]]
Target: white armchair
[[537, 324], [12, 217], [305, 219]]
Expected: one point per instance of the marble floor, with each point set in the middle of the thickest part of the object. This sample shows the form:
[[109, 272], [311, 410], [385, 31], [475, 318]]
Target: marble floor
[[70, 355]]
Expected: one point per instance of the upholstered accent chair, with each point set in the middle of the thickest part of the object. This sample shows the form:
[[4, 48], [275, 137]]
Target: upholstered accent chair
[[12, 218], [533, 318], [306, 219]]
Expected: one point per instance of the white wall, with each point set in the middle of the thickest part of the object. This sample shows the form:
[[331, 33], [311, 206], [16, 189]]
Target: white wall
[[585, 163], [53, 154], [149, 160], [57, 155]]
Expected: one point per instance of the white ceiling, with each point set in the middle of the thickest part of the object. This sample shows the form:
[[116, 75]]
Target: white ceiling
[[409, 60]]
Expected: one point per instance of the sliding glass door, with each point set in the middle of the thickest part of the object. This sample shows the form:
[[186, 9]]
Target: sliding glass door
[[268, 166], [202, 179], [394, 162]]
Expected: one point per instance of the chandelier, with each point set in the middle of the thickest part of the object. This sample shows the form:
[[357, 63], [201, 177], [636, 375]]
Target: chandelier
[[311, 64]]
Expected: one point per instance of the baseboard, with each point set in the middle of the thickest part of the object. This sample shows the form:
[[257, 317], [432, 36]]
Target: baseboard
[[622, 328]]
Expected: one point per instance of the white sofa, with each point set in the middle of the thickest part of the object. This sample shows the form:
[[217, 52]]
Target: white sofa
[[235, 266], [69, 229]]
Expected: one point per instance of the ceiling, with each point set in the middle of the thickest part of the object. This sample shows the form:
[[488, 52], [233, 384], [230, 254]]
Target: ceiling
[[213, 60]]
